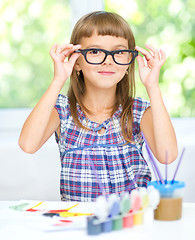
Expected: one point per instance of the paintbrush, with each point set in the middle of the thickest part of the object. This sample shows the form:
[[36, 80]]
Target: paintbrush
[[152, 160], [178, 165]]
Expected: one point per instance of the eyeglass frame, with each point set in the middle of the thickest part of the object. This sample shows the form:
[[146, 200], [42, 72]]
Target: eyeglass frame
[[84, 53]]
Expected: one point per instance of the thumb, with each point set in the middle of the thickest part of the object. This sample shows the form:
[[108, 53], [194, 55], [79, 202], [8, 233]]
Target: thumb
[[73, 58], [53, 50], [140, 61]]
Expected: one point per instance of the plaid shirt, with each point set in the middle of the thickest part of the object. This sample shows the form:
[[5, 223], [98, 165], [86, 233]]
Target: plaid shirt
[[118, 166]]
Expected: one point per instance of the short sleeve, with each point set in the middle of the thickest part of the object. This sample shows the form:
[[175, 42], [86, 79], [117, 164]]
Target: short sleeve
[[63, 108], [139, 107]]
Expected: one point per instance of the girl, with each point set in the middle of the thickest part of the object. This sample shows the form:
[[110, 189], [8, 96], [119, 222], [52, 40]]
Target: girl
[[98, 124]]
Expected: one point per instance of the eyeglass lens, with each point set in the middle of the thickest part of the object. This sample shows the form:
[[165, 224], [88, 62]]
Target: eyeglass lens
[[98, 56]]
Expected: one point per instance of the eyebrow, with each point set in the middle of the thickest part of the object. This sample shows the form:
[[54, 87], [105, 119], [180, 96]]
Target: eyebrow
[[99, 46]]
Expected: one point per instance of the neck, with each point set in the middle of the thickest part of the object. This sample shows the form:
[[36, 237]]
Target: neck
[[100, 101]]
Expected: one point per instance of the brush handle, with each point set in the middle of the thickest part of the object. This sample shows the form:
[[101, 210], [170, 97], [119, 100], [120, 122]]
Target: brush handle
[[166, 167], [152, 160], [96, 175], [178, 165]]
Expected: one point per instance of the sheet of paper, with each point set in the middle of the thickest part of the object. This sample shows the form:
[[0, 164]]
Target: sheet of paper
[[72, 214]]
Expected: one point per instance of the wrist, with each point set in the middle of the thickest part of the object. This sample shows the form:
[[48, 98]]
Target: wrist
[[153, 92], [58, 82]]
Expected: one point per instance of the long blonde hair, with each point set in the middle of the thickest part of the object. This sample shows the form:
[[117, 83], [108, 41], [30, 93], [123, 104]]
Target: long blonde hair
[[104, 23]]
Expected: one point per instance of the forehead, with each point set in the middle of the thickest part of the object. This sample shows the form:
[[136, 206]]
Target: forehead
[[103, 41]]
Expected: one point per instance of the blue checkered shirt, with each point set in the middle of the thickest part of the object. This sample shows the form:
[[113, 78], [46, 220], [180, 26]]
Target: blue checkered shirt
[[119, 166]]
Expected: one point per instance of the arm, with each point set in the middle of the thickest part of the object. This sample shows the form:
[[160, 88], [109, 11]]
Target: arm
[[44, 119], [156, 124]]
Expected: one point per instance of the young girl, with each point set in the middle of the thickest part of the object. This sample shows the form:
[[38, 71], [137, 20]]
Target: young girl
[[98, 124]]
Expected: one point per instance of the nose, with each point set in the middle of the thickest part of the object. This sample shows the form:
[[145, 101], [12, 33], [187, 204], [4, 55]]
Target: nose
[[109, 59]]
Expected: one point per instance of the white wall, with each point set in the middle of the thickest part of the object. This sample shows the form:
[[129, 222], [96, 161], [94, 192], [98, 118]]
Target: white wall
[[25, 176]]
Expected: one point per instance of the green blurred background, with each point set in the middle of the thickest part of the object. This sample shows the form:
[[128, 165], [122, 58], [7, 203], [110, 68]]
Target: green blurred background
[[29, 28]]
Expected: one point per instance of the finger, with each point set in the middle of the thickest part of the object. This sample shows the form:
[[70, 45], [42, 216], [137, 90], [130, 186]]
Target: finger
[[73, 58], [53, 50], [61, 47], [69, 47], [163, 55], [140, 61], [67, 52], [154, 51], [144, 52]]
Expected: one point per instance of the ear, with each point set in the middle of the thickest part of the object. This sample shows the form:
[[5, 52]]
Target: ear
[[77, 66]]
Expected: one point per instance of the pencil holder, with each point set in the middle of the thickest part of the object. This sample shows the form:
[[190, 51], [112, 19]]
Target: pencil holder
[[171, 197]]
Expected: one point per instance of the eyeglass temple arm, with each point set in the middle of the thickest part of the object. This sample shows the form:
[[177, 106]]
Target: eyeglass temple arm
[[136, 53], [77, 51]]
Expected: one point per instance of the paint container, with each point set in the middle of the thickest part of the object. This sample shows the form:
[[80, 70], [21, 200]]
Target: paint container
[[107, 225], [154, 199], [128, 220], [148, 215], [101, 208], [171, 197], [113, 205], [136, 207], [125, 206], [117, 223], [94, 227], [138, 217]]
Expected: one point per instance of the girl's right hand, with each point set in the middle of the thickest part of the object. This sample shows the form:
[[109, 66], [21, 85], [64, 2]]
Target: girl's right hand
[[63, 67]]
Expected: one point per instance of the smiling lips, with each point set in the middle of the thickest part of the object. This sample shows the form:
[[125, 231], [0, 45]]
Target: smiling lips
[[106, 73]]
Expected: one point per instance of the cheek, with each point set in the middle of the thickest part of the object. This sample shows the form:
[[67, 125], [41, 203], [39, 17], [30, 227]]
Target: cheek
[[86, 67], [89, 72], [123, 70]]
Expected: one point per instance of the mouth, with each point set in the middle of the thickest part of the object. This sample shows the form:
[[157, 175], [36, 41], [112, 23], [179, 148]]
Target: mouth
[[106, 73]]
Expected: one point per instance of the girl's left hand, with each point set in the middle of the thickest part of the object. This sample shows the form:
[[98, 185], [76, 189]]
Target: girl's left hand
[[150, 68]]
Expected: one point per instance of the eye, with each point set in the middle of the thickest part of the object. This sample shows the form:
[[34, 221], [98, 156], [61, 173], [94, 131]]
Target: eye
[[94, 52], [120, 52]]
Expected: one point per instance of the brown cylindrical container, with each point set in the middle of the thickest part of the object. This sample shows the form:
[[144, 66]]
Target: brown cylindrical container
[[171, 197], [169, 209]]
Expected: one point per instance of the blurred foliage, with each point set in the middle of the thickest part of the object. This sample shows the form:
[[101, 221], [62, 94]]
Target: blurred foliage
[[27, 31], [170, 25], [29, 28]]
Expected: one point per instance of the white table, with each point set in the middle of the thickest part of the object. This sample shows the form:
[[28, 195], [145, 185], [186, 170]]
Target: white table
[[14, 228]]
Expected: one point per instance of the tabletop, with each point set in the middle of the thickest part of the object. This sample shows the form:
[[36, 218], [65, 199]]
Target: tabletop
[[14, 225]]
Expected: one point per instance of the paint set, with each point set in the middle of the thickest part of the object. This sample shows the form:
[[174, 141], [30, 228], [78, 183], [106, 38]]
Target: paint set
[[161, 200], [115, 213]]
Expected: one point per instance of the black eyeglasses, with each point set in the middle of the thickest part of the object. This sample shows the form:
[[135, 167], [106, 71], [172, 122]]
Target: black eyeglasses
[[98, 56]]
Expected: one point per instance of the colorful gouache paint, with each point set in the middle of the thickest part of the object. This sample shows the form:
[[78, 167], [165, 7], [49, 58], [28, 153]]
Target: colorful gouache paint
[[114, 213], [128, 220], [107, 225], [94, 227]]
